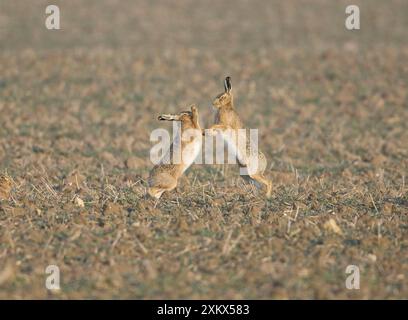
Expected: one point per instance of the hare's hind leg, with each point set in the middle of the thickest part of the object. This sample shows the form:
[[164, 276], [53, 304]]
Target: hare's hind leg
[[155, 192], [262, 180], [160, 184]]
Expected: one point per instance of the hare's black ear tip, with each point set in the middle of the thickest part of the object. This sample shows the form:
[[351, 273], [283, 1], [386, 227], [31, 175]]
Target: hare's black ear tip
[[227, 84]]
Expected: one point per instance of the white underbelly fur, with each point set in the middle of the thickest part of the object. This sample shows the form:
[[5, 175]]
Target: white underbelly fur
[[190, 153], [233, 148], [243, 156]]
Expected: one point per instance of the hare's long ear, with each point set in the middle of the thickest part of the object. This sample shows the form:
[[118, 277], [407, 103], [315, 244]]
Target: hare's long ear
[[227, 84], [168, 117]]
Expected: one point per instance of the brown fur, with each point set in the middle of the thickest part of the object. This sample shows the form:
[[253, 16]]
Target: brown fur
[[226, 117], [164, 177]]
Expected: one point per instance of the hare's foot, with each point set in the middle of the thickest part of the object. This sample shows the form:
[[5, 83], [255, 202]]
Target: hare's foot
[[262, 180], [269, 189], [167, 184], [155, 192]]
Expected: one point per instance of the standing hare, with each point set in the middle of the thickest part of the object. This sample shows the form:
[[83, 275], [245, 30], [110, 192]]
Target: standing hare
[[164, 175], [228, 122]]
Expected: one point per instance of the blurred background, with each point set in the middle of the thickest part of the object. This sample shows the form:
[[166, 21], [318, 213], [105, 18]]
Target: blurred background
[[77, 106], [208, 26]]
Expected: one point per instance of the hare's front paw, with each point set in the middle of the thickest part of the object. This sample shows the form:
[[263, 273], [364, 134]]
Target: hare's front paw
[[211, 132]]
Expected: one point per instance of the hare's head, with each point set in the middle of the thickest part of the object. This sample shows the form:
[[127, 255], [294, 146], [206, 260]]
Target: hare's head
[[225, 98], [183, 116]]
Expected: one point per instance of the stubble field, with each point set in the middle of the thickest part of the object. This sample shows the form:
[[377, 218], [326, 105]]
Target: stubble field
[[77, 107]]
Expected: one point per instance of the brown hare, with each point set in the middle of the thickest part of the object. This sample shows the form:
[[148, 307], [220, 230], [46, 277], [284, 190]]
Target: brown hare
[[164, 175], [228, 122]]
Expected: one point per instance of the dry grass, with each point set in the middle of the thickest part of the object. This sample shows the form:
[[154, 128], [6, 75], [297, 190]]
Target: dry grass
[[77, 107]]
